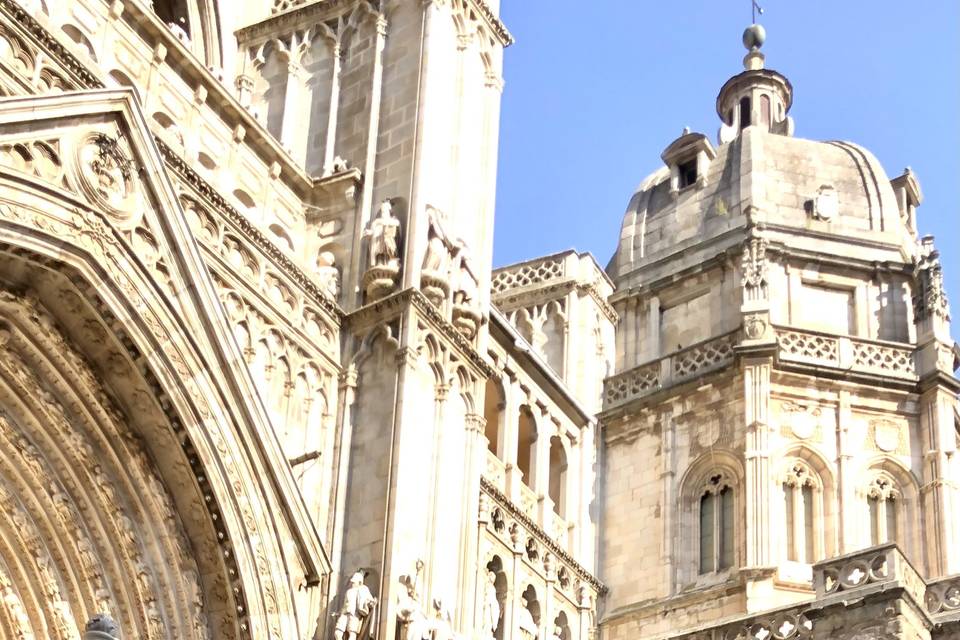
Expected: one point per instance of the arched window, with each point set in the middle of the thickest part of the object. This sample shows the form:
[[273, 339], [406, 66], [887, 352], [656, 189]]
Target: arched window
[[883, 500], [801, 498], [494, 597], [716, 525], [765, 110], [526, 441], [558, 476], [744, 113], [493, 405]]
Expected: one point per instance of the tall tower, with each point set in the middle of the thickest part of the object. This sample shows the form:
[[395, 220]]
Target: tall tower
[[395, 107], [784, 389]]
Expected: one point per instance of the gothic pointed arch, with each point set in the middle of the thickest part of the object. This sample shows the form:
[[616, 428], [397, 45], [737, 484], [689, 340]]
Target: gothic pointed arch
[[172, 459], [710, 528]]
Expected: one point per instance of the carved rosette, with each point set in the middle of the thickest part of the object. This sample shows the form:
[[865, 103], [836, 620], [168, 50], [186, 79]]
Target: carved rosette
[[106, 175]]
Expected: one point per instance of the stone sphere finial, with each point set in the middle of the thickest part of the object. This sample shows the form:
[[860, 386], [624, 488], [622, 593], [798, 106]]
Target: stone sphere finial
[[101, 627], [754, 36]]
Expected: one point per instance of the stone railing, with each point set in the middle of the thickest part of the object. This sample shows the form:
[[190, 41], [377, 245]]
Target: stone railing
[[842, 352], [496, 471], [943, 596], [675, 368], [873, 566], [527, 273], [789, 623], [528, 502]]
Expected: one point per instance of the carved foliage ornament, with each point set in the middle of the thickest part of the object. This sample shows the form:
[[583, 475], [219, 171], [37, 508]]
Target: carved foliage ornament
[[754, 268], [930, 298], [107, 176]]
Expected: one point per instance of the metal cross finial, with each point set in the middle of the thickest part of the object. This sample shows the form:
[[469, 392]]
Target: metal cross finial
[[756, 8]]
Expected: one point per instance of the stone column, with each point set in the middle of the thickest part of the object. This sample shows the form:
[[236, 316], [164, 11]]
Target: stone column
[[294, 98], [331, 141], [940, 490], [476, 450], [756, 383], [848, 532]]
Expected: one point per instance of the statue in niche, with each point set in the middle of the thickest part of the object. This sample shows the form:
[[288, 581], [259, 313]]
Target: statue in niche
[[528, 626], [410, 614], [557, 633], [358, 604], [384, 234], [328, 274], [491, 605], [435, 277], [380, 278]]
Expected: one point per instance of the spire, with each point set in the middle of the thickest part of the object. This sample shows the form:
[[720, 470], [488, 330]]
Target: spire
[[756, 97]]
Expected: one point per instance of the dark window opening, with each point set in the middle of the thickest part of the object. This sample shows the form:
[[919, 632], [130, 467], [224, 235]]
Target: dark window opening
[[744, 113], [173, 12], [765, 110], [688, 173]]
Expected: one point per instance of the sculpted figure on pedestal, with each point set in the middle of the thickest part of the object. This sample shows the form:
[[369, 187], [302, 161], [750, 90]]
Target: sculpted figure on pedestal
[[466, 312], [357, 605], [435, 278], [491, 605], [383, 254]]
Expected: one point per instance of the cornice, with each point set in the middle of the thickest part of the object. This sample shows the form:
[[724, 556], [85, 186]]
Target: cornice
[[299, 17], [496, 25], [393, 305], [77, 70], [542, 537]]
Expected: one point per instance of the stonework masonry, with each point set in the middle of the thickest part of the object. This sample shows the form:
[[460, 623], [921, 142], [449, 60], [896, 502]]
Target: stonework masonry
[[259, 379]]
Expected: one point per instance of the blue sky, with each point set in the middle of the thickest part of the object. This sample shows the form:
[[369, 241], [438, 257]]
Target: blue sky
[[596, 89]]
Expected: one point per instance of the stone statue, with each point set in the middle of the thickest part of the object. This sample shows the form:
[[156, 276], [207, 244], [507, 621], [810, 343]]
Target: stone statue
[[441, 626], [491, 605], [528, 626], [15, 610], [410, 614], [435, 277], [380, 279], [101, 627], [466, 312], [357, 605], [384, 235], [465, 287], [557, 633], [328, 274]]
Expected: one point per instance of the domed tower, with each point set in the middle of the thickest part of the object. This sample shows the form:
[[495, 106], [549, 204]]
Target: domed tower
[[784, 388]]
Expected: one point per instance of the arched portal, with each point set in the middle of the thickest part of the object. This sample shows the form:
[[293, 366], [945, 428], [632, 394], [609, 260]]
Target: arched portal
[[88, 524]]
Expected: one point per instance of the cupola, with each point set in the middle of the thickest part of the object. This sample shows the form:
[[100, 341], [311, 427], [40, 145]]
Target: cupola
[[756, 97]]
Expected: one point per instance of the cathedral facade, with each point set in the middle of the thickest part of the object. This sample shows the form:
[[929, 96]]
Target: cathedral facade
[[259, 379]]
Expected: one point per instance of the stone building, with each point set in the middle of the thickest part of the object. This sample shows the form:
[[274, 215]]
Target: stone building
[[259, 380]]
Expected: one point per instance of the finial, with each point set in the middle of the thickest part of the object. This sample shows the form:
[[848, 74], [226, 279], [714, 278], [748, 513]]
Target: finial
[[754, 36], [686, 130]]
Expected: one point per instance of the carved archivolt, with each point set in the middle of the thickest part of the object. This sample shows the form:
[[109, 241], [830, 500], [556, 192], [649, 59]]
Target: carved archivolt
[[86, 523]]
